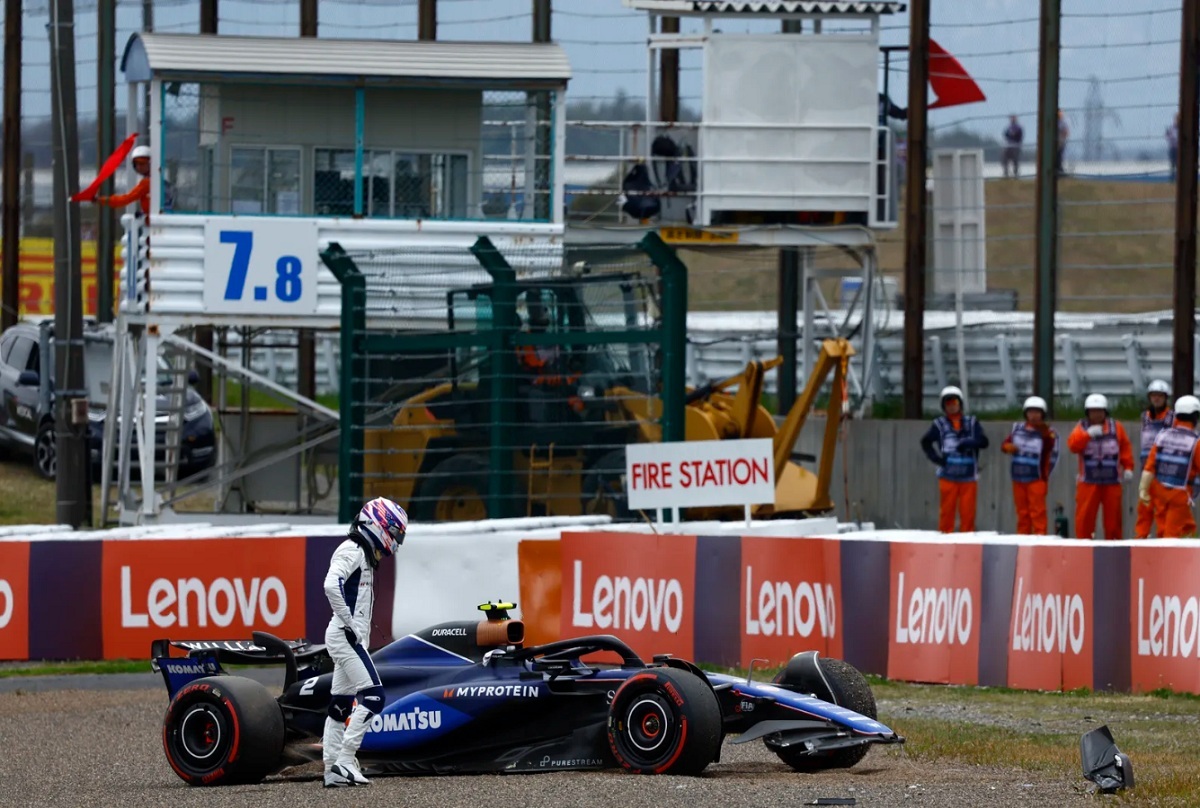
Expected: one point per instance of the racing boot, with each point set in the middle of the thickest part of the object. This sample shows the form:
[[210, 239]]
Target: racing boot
[[331, 747], [356, 728], [346, 774]]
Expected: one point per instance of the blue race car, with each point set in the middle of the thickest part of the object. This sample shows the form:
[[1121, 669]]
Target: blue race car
[[469, 697]]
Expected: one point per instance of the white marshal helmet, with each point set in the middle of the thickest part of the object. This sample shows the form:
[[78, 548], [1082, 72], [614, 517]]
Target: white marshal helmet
[[1034, 403], [1096, 401], [1187, 405], [139, 152], [950, 392], [1159, 386]]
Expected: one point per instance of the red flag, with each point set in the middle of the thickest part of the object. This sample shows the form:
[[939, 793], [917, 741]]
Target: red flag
[[949, 80], [109, 168]]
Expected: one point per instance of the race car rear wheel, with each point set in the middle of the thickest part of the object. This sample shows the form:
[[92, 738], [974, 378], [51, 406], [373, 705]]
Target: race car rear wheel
[[222, 730], [664, 721], [852, 691]]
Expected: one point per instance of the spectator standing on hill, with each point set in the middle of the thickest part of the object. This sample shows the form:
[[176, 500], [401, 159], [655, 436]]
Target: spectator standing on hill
[[1170, 473], [1155, 418], [1014, 136], [1105, 462], [1064, 134], [953, 443], [1034, 449], [1173, 146]]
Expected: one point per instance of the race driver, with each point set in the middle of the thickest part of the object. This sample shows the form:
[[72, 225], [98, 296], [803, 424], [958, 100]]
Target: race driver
[[357, 695]]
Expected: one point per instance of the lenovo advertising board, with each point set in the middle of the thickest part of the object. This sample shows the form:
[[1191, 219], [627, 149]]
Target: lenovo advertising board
[[200, 589], [1050, 638], [790, 598], [1164, 596], [934, 612], [14, 600], [638, 587]]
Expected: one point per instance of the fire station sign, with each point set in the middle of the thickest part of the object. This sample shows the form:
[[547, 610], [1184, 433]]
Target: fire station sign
[[700, 473]]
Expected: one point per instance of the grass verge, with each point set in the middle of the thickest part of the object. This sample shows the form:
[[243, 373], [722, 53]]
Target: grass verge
[[76, 667]]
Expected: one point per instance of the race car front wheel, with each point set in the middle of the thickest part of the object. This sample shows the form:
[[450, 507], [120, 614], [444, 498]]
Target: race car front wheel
[[664, 721], [851, 690], [223, 730]]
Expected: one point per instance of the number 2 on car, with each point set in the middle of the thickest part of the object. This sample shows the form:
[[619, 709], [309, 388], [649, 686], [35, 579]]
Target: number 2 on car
[[260, 266]]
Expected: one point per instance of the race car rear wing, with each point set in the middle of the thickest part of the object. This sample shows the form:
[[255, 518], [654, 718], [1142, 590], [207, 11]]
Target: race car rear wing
[[204, 657]]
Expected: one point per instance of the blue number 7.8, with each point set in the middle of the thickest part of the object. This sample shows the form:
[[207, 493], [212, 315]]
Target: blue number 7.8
[[243, 242]]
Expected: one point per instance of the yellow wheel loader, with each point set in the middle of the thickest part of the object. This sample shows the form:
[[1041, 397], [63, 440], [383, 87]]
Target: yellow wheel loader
[[576, 408]]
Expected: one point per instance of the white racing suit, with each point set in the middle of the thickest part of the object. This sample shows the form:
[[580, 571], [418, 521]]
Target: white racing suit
[[356, 691]]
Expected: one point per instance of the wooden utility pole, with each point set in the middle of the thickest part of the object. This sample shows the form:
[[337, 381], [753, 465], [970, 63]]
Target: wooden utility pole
[[914, 213], [74, 493], [1183, 354], [427, 20], [10, 216], [210, 15], [106, 141], [1045, 267], [668, 76], [306, 343]]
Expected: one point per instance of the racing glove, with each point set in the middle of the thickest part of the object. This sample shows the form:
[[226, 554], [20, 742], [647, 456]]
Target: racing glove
[[1095, 430], [351, 637]]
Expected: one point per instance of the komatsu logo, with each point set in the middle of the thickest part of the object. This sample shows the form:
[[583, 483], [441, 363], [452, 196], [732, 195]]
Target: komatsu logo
[[414, 719], [486, 691], [189, 667]]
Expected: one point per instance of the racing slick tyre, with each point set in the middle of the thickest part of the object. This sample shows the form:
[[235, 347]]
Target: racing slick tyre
[[664, 721], [850, 690], [223, 730], [455, 490]]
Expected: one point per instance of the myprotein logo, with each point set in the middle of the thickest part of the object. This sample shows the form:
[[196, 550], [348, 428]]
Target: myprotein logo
[[492, 691], [14, 600], [1048, 622], [784, 609], [200, 589], [635, 585], [934, 612], [188, 602]]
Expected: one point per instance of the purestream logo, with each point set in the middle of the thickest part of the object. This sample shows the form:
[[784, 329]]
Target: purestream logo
[[1048, 623]]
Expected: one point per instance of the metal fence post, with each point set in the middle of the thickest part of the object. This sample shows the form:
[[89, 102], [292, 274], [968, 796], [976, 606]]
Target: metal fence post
[[504, 371], [354, 319], [674, 333]]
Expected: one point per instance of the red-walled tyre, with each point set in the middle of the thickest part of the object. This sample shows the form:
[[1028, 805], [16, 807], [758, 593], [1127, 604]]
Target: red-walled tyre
[[223, 730], [664, 721]]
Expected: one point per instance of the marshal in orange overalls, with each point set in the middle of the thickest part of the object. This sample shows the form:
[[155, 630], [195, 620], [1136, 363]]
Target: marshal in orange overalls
[[1103, 462], [1153, 423], [1175, 467]]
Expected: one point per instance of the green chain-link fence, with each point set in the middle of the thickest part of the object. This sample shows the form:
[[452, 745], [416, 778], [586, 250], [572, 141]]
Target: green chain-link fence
[[474, 390]]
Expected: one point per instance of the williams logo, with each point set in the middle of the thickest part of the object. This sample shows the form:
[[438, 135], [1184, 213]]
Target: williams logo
[[414, 719], [492, 691]]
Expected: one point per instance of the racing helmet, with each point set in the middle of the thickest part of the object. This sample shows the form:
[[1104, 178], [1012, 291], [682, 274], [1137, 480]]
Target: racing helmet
[[950, 392], [1187, 405], [139, 152], [1034, 403], [1159, 386], [382, 524], [1095, 401]]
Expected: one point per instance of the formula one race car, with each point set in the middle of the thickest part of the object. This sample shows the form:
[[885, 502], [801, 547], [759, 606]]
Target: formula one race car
[[468, 697]]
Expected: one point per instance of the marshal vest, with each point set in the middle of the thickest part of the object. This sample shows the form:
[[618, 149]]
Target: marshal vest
[[1102, 457], [1027, 460], [961, 466], [1151, 429], [1173, 462]]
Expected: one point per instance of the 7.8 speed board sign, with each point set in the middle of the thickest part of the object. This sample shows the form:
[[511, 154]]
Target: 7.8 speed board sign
[[260, 265]]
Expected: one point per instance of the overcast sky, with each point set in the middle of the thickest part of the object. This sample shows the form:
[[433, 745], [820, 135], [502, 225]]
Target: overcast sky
[[1130, 46]]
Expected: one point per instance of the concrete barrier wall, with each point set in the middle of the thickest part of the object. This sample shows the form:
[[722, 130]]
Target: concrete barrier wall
[[891, 483]]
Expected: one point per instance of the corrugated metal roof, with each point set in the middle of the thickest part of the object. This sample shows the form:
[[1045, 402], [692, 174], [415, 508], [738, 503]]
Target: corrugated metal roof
[[373, 58], [818, 7]]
